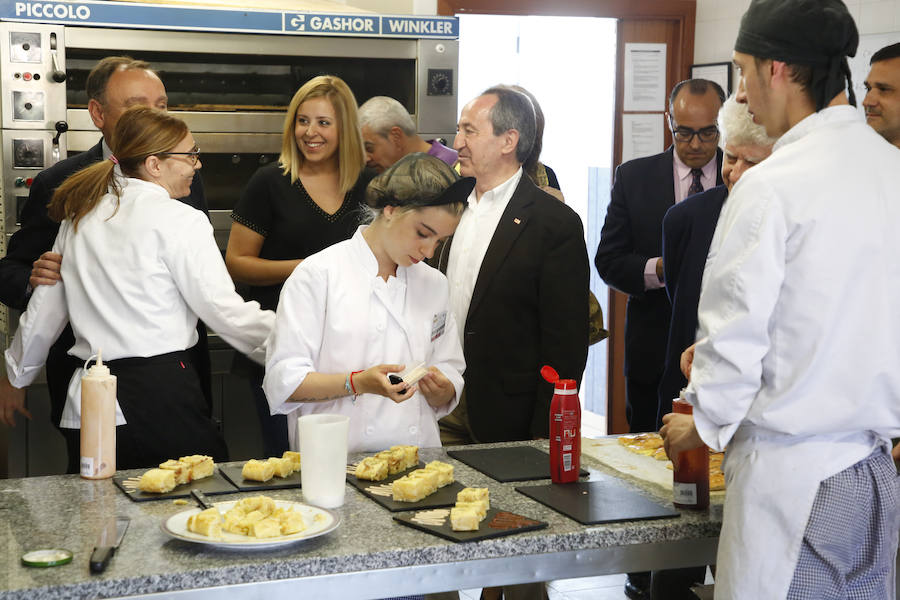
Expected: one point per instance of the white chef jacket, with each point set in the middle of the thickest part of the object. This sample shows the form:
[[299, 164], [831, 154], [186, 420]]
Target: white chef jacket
[[797, 367], [134, 280], [336, 315]]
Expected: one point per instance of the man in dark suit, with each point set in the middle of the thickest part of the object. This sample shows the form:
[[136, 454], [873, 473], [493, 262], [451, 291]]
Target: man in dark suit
[[113, 85], [629, 255], [518, 273], [688, 229]]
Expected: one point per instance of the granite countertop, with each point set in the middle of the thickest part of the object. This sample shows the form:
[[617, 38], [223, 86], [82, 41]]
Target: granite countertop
[[66, 511]]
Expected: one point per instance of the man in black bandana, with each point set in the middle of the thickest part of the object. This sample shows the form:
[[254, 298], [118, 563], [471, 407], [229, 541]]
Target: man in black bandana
[[797, 317]]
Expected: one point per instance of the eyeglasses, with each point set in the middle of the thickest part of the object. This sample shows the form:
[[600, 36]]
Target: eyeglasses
[[686, 134], [193, 155]]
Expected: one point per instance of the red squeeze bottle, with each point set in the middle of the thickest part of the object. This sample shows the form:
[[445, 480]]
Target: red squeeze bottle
[[690, 482], [565, 428]]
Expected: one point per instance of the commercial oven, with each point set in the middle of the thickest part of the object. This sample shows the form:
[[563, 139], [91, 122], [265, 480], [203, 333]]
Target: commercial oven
[[229, 74]]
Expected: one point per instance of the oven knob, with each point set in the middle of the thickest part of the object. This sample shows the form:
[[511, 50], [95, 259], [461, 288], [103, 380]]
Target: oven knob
[[20, 181], [26, 76], [235, 159], [26, 46], [28, 181], [263, 159]]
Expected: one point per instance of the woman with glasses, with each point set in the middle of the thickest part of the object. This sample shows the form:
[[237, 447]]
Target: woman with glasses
[[306, 201], [138, 270]]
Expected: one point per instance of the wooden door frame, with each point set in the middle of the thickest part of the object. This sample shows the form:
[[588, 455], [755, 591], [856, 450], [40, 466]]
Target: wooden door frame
[[681, 16]]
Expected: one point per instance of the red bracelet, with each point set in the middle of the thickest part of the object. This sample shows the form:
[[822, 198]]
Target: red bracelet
[[353, 387]]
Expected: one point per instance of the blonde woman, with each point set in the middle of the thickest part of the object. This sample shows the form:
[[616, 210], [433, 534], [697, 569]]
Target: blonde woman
[[369, 306], [307, 201], [138, 269]]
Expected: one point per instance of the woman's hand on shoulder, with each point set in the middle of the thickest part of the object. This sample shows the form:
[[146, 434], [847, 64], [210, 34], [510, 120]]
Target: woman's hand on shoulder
[[436, 387], [374, 380]]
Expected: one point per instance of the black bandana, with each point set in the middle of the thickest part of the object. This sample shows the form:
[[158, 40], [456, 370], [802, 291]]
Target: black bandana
[[818, 33], [418, 179]]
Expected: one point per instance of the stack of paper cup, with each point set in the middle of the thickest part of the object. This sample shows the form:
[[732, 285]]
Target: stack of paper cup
[[323, 446]]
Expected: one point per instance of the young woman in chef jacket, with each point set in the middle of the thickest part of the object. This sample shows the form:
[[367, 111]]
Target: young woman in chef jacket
[[138, 269], [367, 307]]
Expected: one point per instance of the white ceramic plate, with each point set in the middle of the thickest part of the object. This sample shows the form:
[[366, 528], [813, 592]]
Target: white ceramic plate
[[319, 521]]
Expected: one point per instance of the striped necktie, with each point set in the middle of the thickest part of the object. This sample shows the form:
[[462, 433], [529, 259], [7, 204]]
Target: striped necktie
[[696, 186]]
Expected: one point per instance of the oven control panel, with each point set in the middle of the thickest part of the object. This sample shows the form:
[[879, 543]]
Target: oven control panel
[[32, 75]]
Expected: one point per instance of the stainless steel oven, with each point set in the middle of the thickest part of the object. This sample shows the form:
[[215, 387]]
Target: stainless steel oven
[[231, 87]]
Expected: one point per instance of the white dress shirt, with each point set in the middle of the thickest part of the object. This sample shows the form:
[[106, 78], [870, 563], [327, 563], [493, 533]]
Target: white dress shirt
[[135, 277], [797, 365], [336, 315], [470, 243]]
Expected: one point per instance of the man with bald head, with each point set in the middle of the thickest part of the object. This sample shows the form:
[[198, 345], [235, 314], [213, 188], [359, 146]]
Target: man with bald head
[[629, 256], [113, 85], [882, 101]]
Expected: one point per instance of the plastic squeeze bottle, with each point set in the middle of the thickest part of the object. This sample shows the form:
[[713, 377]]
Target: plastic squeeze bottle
[[565, 428], [690, 482], [98, 421]]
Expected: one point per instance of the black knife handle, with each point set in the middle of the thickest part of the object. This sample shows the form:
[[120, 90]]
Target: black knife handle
[[201, 499], [100, 558]]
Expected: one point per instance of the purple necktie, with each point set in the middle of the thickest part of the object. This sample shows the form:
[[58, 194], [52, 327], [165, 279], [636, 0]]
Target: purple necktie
[[696, 186]]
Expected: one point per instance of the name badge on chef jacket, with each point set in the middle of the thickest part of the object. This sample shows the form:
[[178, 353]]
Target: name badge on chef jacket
[[437, 325]]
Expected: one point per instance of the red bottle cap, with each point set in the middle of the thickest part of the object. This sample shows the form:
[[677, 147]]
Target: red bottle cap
[[566, 384]]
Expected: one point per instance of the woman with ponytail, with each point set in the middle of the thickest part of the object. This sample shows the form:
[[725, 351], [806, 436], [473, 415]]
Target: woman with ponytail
[[138, 270]]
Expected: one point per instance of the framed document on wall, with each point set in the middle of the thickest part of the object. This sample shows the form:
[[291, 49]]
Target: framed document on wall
[[718, 72]]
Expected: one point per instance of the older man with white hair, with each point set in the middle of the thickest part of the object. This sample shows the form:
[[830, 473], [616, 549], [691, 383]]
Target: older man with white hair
[[390, 134]]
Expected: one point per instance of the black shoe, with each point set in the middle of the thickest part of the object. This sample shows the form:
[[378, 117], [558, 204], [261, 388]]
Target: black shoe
[[637, 586]]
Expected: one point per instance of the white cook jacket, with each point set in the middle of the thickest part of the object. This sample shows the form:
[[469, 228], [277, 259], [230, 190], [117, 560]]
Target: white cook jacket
[[335, 315], [797, 367], [134, 280]]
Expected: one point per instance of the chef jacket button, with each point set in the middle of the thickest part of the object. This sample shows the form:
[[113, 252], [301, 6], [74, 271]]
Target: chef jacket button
[[370, 430], [413, 429]]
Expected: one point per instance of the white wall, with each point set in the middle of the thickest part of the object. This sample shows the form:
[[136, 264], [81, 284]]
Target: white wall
[[396, 7], [718, 21]]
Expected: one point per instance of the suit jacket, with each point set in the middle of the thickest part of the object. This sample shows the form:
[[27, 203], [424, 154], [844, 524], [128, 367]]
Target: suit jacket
[[529, 308], [644, 189], [688, 229], [35, 237]]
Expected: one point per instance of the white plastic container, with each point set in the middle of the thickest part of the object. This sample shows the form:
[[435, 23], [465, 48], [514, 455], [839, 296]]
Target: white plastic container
[[98, 421]]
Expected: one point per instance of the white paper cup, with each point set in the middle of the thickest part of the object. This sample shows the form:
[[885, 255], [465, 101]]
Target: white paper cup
[[323, 448]]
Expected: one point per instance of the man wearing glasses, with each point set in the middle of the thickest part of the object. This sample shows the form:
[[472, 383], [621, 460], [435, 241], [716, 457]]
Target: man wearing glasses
[[629, 255], [113, 85]]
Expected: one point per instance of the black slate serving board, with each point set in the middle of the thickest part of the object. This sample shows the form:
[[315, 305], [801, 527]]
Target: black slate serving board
[[484, 532], [606, 500], [445, 496], [518, 463], [233, 474], [210, 486]]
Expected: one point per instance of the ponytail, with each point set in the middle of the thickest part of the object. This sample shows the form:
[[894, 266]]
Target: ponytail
[[80, 193]]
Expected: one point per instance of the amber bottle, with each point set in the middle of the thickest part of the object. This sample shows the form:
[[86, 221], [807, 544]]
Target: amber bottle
[[690, 483]]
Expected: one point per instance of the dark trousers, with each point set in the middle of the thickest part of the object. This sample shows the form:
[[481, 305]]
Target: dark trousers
[[641, 404], [273, 427], [166, 413], [60, 366]]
